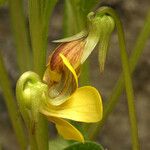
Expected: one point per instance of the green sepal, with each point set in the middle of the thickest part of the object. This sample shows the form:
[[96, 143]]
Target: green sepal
[[77, 36], [93, 36], [107, 27], [88, 145]]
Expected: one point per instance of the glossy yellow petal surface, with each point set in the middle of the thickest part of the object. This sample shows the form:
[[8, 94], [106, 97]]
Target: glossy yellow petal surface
[[66, 130], [85, 105], [69, 66]]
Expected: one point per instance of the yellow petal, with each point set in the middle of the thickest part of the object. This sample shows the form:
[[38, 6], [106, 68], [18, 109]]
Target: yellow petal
[[66, 130], [51, 76], [62, 85], [84, 105], [69, 66]]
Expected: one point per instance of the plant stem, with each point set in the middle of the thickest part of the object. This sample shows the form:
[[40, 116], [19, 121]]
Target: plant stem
[[38, 47], [39, 14], [39, 60], [128, 86], [21, 35], [85, 76], [11, 106], [126, 76], [116, 93], [33, 143]]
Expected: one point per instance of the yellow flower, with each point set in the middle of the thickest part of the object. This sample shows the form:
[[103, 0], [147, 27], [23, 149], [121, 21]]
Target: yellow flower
[[66, 100], [61, 81], [59, 97]]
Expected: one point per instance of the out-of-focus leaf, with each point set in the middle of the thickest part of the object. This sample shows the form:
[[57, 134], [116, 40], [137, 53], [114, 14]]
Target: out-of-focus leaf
[[58, 144], [39, 16], [47, 12], [9, 98], [21, 35], [2, 2], [75, 12], [72, 17], [85, 146], [87, 6]]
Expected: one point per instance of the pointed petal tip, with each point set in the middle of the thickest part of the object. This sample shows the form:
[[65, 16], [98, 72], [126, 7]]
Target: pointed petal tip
[[67, 130], [77, 36]]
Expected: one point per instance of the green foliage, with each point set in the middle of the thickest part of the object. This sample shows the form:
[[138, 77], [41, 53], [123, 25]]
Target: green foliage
[[85, 146], [58, 144], [39, 14], [126, 73], [2, 2], [21, 35], [11, 105], [86, 7], [118, 89], [75, 12]]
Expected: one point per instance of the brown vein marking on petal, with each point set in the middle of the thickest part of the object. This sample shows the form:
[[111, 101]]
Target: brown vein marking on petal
[[65, 87], [71, 50]]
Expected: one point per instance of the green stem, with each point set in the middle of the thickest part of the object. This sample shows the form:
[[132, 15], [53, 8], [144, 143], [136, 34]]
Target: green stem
[[39, 14], [126, 76], [85, 76], [39, 60], [116, 93], [11, 106], [21, 35], [38, 47], [33, 143]]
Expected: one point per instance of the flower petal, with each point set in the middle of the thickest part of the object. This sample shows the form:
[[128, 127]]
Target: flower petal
[[66, 130], [91, 43], [69, 66], [66, 86], [77, 36], [93, 36], [84, 105], [71, 50]]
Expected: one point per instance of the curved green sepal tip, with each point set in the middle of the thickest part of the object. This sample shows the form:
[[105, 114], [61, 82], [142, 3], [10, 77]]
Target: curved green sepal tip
[[77, 36], [107, 26]]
